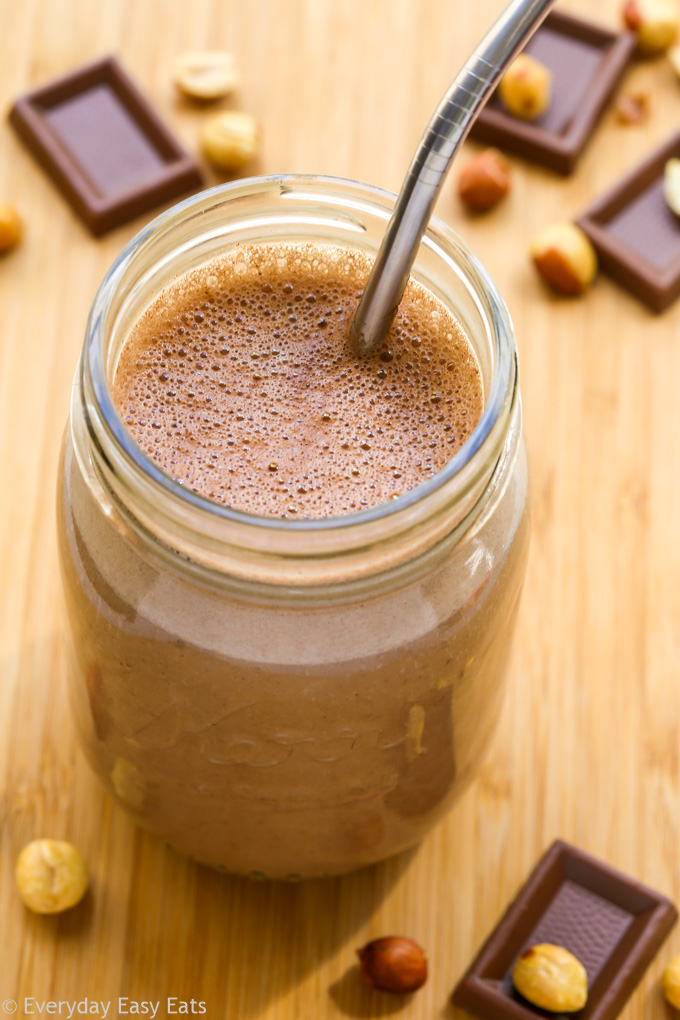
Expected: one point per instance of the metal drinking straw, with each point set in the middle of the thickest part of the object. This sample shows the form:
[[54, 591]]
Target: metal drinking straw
[[444, 134]]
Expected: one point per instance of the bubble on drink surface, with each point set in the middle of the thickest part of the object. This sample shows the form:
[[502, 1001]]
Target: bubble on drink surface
[[246, 362]]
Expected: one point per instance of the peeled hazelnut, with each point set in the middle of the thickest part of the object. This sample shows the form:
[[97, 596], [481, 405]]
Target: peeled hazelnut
[[393, 964], [551, 978], [674, 58], [525, 87], [10, 227], [655, 22], [632, 107], [51, 876], [565, 258], [206, 74], [484, 181], [671, 185], [671, 982], [231, 139]]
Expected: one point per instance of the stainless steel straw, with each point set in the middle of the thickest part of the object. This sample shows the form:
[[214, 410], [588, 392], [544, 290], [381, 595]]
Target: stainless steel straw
[[444, 134]]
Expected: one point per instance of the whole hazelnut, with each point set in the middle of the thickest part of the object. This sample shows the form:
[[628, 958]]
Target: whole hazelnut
[[525, 88], [51, 876], [674, 59], [551, 977], [393, 964], [10, 227], [206, 74], [671, 185], [231, 139], [671, 982], [565, 258], [655, 23], [484, 181], [632, 107]]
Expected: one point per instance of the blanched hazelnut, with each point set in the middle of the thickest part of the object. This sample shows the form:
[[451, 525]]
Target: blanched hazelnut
[[393, 964], [671, 185], [674, 58], [525, 88], [671, 982], [230, 140], [51, 876], [565, 258], [206, 74], [655, 23], [551, 977], [10, 227], [484, 181]]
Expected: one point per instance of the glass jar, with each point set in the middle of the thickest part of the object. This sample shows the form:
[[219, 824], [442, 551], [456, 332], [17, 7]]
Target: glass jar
[[288, 697]]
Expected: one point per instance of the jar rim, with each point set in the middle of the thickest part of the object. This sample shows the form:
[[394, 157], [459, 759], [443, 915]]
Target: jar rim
[[108, 425]]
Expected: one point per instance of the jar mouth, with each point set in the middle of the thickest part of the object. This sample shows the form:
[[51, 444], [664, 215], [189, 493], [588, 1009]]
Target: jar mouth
[[350, 199]]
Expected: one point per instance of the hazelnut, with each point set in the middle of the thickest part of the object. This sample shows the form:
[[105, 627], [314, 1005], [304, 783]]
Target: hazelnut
[[525, 87], [632, 107], [51, 876], [550, 977], [230, 140], [671, 185], [671, 982], [10, 227], [674, 58], [206, 74], [484, 181], [655, 23], [393, 964], [565, 258]]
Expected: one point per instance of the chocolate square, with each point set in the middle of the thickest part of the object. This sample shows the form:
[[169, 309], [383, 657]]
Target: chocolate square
[[613, 924], [587, 63], [104, 145], [636, 234]]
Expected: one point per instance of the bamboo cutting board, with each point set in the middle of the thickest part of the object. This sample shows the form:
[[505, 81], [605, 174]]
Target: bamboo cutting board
[[588, 747]]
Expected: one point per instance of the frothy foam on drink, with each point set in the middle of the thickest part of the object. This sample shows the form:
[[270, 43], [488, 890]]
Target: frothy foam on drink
[[240, 382]]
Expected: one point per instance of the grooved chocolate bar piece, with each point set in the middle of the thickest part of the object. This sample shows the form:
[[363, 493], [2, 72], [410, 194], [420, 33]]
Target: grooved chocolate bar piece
[[103, 145], [636, 234], [587, 63], [610, 922]]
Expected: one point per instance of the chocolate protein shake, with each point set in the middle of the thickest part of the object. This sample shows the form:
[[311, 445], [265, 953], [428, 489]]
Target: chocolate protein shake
[[240, 381], [287, 728]]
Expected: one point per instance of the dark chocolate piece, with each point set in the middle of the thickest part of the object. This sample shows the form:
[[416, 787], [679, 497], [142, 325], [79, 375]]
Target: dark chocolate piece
[[587, 63], [636, 234], [610, 922], [104, 145]]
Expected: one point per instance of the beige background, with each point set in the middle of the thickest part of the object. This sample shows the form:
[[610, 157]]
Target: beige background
[[588, 748]]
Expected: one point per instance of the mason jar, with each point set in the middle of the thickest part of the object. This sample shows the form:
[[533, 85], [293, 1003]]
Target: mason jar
[[281, 697]]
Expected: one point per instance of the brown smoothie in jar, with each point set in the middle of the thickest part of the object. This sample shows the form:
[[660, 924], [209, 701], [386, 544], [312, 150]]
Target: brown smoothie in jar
[[260, 735], [241, 382]]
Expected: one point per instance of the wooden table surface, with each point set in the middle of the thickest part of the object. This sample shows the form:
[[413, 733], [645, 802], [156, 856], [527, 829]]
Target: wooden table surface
[[589, 744]]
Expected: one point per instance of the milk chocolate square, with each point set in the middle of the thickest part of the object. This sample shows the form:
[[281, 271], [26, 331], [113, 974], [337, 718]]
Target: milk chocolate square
[[587, 63], [613, 924], [104, 145], [636, 234]]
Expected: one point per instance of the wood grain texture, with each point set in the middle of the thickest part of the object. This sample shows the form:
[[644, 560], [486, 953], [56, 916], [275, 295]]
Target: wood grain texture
[[588, 747]]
